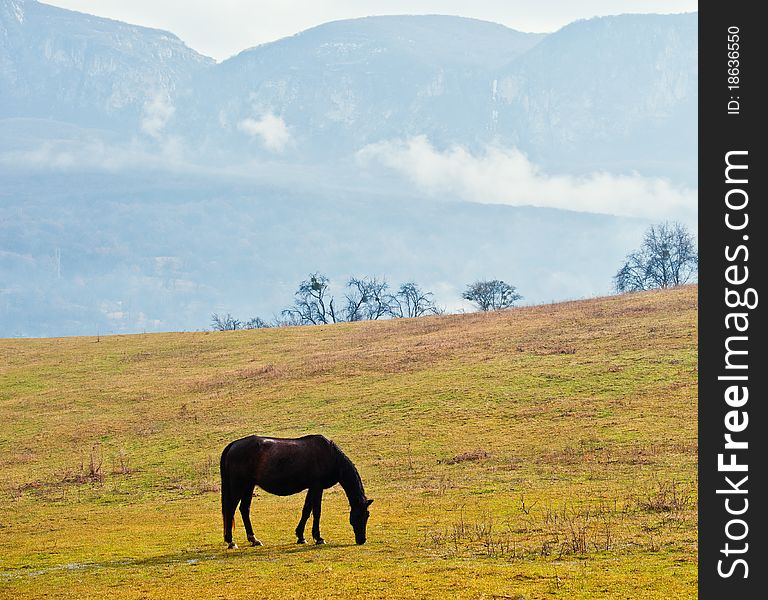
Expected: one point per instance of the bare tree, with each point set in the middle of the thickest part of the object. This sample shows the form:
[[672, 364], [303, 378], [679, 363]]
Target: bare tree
[[256, 323], [313, 304], [491, 295], [367, 299], [225, 322], [286, 319], [410, 301], [667, 257]]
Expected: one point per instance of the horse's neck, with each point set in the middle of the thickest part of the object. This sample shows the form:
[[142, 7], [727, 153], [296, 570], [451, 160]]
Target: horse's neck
[[350, 481]]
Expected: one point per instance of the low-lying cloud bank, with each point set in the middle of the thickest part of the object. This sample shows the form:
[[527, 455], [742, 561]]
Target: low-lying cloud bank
[[495, 176], [506, 176]]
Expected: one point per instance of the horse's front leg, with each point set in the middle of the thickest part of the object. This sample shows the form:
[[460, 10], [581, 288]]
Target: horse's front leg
[[245, 512], [317, 500], [305, 512]]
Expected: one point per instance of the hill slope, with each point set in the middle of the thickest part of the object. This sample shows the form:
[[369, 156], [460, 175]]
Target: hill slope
[[546, 451]]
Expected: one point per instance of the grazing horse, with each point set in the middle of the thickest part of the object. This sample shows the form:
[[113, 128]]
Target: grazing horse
[[286, 466]]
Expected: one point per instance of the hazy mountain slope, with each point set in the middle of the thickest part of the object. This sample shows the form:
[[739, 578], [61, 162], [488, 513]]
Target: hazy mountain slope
[[619, 91], [614, 93], [65, 65], [344, 84]]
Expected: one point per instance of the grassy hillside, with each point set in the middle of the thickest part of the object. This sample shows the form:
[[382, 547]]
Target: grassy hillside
[[543, 452]]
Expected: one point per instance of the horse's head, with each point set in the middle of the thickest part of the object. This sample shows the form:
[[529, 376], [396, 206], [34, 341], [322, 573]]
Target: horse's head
[[358, 518]]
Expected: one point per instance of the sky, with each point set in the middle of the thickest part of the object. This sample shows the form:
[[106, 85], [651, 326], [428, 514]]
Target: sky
[[223, 28]]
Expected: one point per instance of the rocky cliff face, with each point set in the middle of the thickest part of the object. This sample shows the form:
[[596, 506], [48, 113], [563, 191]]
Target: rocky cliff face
[[68, 66], [605, 90], [619, 90], [345, 84]]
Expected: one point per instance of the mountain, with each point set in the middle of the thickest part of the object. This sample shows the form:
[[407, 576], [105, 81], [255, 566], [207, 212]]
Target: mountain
[[616, 94], [67, 66], [345, 84], [619, 91], [144, 186]]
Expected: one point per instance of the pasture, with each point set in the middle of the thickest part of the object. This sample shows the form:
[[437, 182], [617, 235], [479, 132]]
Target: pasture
[[541, 452]]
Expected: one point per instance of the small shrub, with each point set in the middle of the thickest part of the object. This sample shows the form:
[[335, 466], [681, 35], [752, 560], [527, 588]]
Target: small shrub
[[92, 473], [120, 464], [466, 456], [665, 497]]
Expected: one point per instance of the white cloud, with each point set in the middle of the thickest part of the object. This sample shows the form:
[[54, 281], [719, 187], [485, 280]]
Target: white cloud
[[156, 113], [270, 128], [506, 176]]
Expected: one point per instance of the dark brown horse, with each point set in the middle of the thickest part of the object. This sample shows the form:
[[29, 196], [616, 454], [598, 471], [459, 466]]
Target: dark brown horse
[[286, 466]]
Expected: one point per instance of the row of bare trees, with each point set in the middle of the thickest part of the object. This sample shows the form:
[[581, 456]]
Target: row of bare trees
[[364, 299], [367, 299], [229, 323], [666, 258]]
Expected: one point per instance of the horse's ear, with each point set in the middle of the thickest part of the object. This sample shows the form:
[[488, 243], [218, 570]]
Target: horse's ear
[[369, 502]]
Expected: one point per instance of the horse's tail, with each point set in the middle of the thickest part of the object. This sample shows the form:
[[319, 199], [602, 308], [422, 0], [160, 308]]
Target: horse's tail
[[226, 489]]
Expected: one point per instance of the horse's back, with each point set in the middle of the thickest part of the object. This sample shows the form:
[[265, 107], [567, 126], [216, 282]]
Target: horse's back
[[282, 466], [256, 443], [312, 438]]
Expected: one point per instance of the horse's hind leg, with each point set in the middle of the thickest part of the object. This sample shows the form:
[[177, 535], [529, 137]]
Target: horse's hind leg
[[245, 508], [317, 500], [305, 512], [228, 508]]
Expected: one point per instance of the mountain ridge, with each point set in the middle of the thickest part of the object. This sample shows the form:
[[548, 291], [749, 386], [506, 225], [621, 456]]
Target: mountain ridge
[[345, 84]]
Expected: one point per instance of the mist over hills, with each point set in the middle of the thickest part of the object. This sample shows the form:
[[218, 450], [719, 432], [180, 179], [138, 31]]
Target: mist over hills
[[144, 186], [208, 246]]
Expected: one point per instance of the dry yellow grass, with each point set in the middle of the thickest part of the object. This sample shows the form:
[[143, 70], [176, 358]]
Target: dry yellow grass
[[542, 452]]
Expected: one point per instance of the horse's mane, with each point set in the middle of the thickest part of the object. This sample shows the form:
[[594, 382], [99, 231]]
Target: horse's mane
[[348, 471]]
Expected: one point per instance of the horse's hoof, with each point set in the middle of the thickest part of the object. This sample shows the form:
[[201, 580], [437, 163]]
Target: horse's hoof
[[319, 541], [232, 546], [301, 541], [255, 542]]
